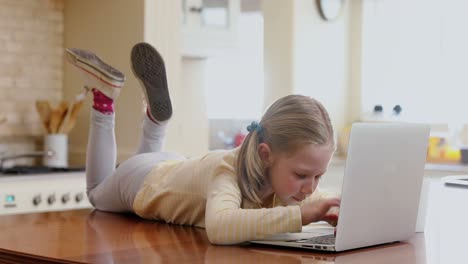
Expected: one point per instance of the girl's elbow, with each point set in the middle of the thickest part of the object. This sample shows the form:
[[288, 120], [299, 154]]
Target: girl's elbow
[[212, 232], [219, 242], [216, 239]]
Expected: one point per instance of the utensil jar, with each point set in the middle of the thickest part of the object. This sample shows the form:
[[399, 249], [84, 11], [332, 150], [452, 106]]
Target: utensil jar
[[58, 144]]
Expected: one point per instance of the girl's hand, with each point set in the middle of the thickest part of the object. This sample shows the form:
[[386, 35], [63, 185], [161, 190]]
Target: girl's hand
[[320, 211]]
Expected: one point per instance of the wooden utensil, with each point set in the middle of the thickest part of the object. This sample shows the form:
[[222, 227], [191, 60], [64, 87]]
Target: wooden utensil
[[44, 110], [57, 116], [65, 119], [73, 116]]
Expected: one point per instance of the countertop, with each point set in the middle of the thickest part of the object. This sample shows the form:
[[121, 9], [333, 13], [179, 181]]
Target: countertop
[[88, 236], [91, 236]]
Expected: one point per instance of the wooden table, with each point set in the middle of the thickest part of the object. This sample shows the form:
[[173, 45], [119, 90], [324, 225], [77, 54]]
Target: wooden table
[[88, 236]]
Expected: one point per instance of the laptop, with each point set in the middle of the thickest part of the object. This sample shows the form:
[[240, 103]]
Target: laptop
[[380, 194]]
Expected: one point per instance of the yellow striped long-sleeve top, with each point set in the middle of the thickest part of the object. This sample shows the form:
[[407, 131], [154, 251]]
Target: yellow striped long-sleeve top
[[204, 192]]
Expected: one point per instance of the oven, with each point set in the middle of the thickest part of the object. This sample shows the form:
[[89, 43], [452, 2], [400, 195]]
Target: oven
[[30, 189]]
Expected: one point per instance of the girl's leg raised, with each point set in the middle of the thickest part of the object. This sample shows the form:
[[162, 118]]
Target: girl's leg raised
[[148, 66], [105, 83], [110, 189]]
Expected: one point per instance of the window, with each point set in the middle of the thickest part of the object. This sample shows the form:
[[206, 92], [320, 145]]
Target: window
[[234, 80], [415, 54]]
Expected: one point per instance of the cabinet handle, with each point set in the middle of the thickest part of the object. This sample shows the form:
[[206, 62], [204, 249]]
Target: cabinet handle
[[195, 9]]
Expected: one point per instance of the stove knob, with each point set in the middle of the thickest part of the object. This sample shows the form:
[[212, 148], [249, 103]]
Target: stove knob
[[65, 198], [51, 199], [79, 197], [37, 200]]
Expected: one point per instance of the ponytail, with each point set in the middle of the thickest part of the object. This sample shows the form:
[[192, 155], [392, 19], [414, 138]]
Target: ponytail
[[250, 168]]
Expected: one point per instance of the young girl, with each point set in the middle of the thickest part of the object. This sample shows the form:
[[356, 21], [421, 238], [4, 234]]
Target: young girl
[[262, 188]]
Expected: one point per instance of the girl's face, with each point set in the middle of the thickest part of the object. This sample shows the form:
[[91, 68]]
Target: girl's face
[[295, 176]]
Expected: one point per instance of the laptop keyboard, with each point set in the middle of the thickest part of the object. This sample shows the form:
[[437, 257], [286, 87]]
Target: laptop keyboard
[[324, 240]]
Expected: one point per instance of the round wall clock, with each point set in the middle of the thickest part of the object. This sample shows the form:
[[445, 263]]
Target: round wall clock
[[330, 9]]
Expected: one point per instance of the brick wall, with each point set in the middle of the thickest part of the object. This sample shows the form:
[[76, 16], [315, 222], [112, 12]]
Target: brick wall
[[31, 66]]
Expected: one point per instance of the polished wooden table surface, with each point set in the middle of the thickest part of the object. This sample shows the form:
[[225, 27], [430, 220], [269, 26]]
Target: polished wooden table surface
[[89, 236]]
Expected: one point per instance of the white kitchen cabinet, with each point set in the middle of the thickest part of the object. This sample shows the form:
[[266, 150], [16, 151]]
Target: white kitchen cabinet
[[209, 26]]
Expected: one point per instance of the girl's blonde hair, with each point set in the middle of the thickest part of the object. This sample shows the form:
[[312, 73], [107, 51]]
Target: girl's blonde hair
[[289, 123]]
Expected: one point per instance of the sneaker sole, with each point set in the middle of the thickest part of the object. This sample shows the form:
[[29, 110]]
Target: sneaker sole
[[148, 67], [92, 64]]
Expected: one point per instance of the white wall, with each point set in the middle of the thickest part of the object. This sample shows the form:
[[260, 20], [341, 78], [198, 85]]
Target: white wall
[[321, 58], [192, 107], [278, 18], [305, 54], [188, 128], [111, 28], [355, 60]]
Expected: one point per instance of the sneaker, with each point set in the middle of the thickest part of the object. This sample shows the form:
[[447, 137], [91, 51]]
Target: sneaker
[[97, 73], [148, 67]]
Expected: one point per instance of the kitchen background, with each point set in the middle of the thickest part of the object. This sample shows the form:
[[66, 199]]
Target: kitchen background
[[31, 68], [35, 32], [227, 62]]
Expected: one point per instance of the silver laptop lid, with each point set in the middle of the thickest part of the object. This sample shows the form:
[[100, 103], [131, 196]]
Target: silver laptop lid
[[382, 183]]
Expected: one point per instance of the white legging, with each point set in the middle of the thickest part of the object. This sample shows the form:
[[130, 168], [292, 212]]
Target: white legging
[[111, 189]]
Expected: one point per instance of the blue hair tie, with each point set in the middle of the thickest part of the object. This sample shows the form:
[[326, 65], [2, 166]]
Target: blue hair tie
[[254, 126]]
